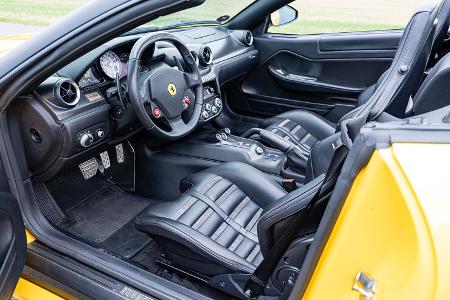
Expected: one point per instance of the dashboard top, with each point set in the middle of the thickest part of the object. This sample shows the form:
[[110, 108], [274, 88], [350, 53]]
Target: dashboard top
[[222, 42]]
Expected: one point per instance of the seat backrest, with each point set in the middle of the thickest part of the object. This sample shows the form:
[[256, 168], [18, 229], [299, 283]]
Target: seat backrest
[[397, 85], [403, 78], [435, 90], [441, 32]]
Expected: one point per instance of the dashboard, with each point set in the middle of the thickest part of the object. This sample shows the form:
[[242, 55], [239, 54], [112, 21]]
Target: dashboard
[[84, 106]]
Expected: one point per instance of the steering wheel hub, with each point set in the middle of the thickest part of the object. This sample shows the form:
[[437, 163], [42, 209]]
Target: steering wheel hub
[[167, 90]]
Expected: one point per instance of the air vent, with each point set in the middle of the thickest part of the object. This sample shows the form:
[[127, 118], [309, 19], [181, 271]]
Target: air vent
[[248, 38], [206, 56], [67, 93], [195, 56]]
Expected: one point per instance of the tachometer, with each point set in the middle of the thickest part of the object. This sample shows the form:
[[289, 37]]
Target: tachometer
[[111, 64], [124, 58]]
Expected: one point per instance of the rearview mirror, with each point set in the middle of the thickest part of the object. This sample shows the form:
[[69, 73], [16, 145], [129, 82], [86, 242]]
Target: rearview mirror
[[285, 15]]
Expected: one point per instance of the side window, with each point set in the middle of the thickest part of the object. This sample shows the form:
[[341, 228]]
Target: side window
[[331, 16]]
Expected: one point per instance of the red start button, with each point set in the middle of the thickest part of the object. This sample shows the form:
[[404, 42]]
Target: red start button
[[157, 112], [186, 100]]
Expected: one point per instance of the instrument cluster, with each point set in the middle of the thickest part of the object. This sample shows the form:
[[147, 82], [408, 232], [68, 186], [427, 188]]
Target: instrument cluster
[[110, 65]]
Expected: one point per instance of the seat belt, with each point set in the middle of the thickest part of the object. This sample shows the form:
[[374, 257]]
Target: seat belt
[[256, 283]]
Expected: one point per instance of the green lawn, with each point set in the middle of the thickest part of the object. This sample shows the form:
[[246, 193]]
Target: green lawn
[[36, 12], [316, 16]]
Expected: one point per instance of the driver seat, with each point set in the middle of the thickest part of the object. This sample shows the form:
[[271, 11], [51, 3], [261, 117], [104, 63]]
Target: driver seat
[[227, 219]]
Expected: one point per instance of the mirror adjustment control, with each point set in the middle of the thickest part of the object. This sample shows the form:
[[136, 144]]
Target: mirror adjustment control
[[86, 140], [218, 102]]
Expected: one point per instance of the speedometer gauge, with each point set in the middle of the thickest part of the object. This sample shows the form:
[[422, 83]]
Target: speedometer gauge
[[111, 64]]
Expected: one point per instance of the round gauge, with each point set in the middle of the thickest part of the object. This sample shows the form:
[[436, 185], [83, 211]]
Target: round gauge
[[111, 64], [124, 58]]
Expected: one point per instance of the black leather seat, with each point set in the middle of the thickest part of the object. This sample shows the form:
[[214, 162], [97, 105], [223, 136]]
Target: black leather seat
[[419, 41], [224, 222], [231, 215]]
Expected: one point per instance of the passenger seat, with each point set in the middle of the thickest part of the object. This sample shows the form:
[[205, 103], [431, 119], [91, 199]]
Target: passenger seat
[[392, 91]]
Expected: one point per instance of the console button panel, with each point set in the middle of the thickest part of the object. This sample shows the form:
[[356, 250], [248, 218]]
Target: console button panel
[[212, 103]]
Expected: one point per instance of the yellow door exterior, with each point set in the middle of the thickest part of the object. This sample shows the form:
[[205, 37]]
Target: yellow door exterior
[[394, 226]]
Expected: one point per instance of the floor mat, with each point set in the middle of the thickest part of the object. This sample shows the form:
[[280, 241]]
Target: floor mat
[[127, 241], [104, 213]]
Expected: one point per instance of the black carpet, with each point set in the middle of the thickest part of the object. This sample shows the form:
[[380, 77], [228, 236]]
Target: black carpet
[[127, 241], [107, 219]]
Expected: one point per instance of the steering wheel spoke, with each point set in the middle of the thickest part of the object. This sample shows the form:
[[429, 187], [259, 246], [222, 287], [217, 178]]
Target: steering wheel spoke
[[146, 94], [192, 81], [177, 125]]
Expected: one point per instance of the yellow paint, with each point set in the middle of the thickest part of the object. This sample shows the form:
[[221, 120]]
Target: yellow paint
[[27, 290], [7, 43], [394, 226], [172, 89], [30, 238]]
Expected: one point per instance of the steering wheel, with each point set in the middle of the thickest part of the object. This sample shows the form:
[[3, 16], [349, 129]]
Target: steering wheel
[[163, 93]]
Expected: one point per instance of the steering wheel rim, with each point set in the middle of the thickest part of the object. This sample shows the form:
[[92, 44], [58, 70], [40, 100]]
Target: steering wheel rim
[[164, 89]]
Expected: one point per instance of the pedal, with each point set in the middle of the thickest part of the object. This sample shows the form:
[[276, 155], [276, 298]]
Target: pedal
[[120, 154], [89, 168], [104, 156]]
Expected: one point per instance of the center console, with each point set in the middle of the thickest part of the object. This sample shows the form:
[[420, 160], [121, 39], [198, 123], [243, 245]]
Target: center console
[[212, 102], [222, 146]]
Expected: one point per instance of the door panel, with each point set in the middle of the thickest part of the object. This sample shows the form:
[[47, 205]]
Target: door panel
[[12, 239], [321, 73]]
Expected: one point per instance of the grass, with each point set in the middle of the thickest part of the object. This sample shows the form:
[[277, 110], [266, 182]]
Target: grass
[[316, 16], [321, 16], [36, 12]]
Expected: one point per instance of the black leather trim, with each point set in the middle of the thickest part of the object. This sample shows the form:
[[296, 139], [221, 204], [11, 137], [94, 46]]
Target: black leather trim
[[226, 221], [284, 208], [194, 241], [311, 122], [433, 94], [247, 177]]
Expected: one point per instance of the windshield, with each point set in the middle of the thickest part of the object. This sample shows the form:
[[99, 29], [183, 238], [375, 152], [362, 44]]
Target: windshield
[[210, 10]]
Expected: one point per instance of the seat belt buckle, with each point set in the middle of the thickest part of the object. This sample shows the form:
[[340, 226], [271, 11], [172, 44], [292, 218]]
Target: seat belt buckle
[[289, 184]]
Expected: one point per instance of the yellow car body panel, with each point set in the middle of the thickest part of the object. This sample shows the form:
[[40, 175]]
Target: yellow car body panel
[[394, 226], [7, 43], [26, 290]]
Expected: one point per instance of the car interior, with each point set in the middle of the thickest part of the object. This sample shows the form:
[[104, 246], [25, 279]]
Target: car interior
[[186, 153]]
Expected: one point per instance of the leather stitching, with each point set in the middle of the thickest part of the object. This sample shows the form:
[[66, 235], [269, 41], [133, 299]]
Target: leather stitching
[[214, 255], [225, 217]]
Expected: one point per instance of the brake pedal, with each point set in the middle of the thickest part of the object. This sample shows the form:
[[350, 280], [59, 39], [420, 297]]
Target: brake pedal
[[106, 162], [120, 154], [89, 168]]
